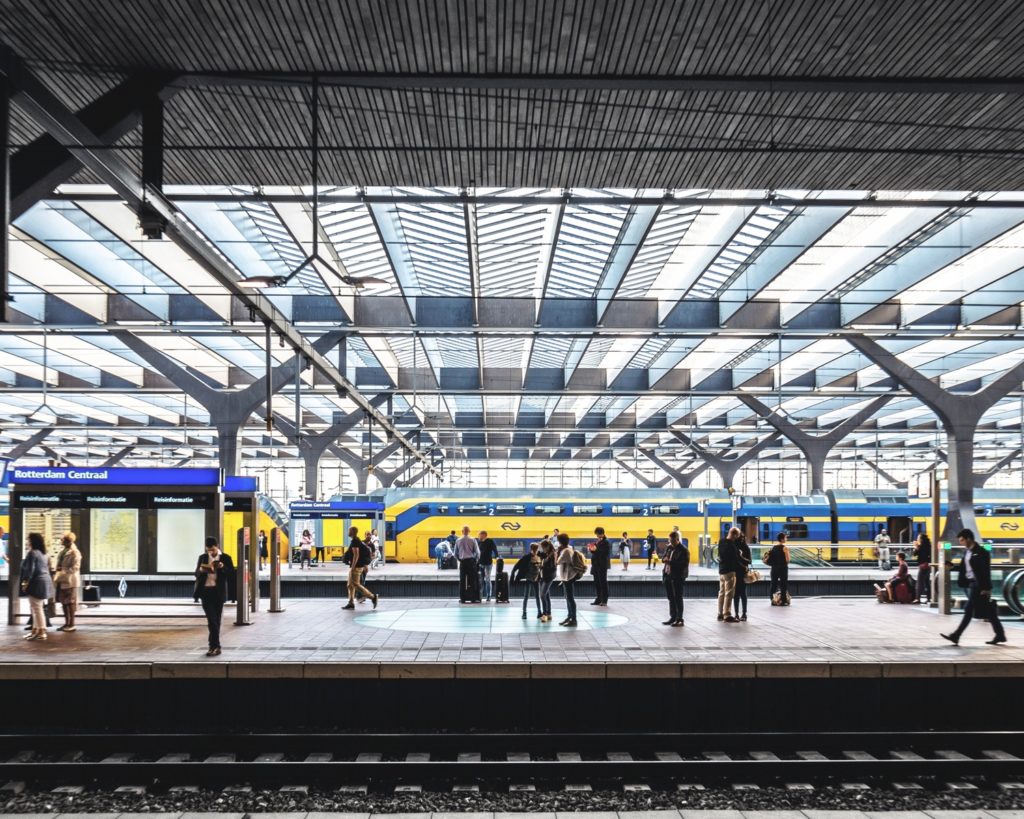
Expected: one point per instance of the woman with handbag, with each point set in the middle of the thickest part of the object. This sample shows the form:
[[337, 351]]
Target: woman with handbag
[[68, 579], [36, 584], [743, 563]]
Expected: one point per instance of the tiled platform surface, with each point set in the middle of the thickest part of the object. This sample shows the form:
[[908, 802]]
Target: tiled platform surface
[[814, 638], [660, 814]]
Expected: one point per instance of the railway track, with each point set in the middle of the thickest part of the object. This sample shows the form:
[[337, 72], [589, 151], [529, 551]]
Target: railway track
[[383, 763]]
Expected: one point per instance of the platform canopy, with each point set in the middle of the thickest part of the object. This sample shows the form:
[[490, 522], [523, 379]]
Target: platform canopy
[[545, 233]]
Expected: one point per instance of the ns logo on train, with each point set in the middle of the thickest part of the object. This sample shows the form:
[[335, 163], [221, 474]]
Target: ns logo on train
[[1009, 527], [509, 526]]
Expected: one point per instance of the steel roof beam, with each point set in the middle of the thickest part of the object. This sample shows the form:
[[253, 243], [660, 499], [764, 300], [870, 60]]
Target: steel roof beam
[[568, 198], [49, 112], [725, 83]]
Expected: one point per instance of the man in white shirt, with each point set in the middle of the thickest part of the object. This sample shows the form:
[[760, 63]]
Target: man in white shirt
[[467, 552], [882, 541]]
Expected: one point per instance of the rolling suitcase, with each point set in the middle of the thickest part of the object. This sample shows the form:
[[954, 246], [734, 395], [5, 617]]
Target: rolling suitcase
[[500, 582], [471, 594], [90, 594]]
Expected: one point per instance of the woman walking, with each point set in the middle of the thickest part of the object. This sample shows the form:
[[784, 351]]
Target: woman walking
[[68, 579], [625, 550], [547, 578], [261, 542], [675, 568], [305, 549], [37, 584], [569, 572]]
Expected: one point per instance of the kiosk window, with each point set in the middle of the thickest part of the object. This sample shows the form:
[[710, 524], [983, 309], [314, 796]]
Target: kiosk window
[[179, 539], [114, 540]]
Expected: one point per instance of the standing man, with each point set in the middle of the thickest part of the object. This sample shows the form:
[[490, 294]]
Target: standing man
[[600, 560], [488, 551], [359, 556], [652, 548], [675, 570], [882, 541], [467, 552], [728, 566], [215, 584], [975, 575]]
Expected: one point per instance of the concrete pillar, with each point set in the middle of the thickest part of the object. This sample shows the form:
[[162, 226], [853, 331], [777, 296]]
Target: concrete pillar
[[229, 456]]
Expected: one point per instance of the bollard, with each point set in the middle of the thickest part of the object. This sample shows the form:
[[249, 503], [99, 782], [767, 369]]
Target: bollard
[[275, 571]]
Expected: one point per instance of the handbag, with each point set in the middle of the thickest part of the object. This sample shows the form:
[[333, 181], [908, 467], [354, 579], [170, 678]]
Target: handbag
[[752, 576]]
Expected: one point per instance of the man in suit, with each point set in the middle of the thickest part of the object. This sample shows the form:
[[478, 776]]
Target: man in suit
[[975, 575], [215, 584], [600, 561]]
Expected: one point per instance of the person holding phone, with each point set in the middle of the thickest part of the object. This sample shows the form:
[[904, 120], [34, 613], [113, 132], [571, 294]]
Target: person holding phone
[[215, 584]]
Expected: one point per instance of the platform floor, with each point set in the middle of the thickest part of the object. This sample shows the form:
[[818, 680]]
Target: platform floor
[[817, 637], [659, 814]]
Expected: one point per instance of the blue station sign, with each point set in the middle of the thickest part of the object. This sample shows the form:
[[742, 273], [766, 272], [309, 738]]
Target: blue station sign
[[112, 476]]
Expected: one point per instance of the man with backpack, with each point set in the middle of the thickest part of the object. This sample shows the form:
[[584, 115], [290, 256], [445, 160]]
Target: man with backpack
[[359, 556]]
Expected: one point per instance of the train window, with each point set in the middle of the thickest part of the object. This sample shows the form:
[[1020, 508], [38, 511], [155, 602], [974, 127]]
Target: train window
[[442, 510], [423, 509], [509, 509], [1006, 510], [863, 531], [797, 531], [663, 509], [587, 509], [980, 510], [547, 510], [473, 509], [627, 510], [389, 530]]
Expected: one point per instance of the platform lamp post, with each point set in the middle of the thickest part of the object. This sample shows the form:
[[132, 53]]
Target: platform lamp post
[[943, 591]]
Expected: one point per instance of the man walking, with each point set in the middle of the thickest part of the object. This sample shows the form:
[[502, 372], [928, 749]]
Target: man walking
[[600, 561], [215, 584], [359, 558], [488, 551], [467, 552], [975, 575]]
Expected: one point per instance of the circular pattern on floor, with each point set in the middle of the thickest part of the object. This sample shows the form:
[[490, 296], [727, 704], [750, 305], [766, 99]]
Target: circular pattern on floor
[[485, 619]]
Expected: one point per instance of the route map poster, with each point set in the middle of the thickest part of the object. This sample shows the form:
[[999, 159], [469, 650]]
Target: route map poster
[[114, 540]]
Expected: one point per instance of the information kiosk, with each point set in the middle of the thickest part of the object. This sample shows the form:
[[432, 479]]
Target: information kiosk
[[328, 522], [240, 540], [127, 521]]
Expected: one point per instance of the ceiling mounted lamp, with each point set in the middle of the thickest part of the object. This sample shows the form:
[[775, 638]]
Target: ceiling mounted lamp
[[256, 282]]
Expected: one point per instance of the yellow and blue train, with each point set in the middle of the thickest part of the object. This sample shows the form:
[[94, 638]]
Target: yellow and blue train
[[839, 525]]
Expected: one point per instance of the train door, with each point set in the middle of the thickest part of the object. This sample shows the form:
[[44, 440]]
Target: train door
[[749, 527], [901, 529]]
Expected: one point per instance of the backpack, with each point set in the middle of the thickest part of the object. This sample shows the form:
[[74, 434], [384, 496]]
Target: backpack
[[365, 555], [579, 563]]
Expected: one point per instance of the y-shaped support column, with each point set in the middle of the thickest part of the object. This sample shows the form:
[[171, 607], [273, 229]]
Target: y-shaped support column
[[727, 467], [389, 477], [982, 478], [413, 478], [814, 447], [959, 416], [312, 447], [229, 409], [640, 476], [26, 446], [684, 479]]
